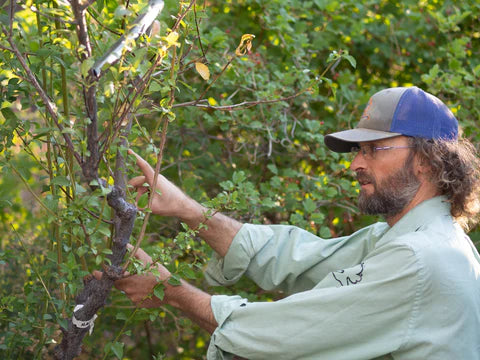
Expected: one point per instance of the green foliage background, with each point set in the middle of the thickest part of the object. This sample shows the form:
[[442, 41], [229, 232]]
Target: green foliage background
[[262, 163]]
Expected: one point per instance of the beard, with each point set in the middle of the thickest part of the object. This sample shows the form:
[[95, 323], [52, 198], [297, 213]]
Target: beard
[[391, 195]]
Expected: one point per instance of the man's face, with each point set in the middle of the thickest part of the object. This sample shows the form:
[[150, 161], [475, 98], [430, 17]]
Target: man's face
[[387, 177]]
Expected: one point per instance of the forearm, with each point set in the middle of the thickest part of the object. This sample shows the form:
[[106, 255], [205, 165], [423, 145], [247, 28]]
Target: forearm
[[219, 231], [192, 302]]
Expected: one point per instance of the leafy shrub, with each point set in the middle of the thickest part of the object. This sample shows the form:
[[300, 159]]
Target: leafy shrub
[[248, 142]]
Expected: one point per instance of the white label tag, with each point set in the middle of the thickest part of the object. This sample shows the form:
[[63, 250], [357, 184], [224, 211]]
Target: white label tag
[[83, 324]]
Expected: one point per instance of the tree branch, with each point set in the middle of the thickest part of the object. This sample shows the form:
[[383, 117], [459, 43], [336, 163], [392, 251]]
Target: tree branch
[[95, 292], [50, 107], [240, 106]]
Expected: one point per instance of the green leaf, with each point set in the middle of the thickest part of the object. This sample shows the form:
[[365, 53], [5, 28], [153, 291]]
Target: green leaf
[[143, 201], [155, 86], [238, 177], [82, 250], [174, 280], [325, 232], [86, 65], [121, 316], [117, 348], [10, 116], [351, 60], [273, 168], [331, 192], [61, 181], [158, 291], [188, 273], [309, 205]]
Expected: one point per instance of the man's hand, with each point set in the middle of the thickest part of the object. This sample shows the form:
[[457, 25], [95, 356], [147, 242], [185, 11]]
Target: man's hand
[[174, 202], [168, 199], [139, 288], [193, 302]]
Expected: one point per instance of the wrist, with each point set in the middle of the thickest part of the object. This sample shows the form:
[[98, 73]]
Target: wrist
[[192, 213], [173, 293]]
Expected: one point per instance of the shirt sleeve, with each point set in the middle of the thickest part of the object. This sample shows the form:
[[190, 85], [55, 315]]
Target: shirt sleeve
[[288, 258], [362, 312]]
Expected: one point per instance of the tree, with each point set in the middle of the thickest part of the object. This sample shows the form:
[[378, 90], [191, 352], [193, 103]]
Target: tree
[[238, 124]]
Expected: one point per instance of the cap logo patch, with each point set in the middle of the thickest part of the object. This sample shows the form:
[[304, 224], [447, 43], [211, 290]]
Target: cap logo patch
[[366, 113]]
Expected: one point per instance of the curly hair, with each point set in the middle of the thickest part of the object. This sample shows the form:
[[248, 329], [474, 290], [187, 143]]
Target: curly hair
[[455, 170]]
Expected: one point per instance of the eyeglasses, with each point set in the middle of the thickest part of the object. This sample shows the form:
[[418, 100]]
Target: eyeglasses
[[369, 151]]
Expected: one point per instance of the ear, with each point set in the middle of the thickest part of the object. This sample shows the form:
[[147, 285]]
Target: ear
[[422, 168]]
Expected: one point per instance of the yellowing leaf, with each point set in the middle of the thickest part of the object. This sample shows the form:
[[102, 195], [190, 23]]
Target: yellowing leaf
[[202, 69], [172, 38], [245, 44]]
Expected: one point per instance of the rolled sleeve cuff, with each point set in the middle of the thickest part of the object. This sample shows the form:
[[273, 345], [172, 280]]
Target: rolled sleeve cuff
[[222, 307], [245, 245]]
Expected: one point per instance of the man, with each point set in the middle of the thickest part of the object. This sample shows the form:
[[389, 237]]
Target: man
[[408, 288]]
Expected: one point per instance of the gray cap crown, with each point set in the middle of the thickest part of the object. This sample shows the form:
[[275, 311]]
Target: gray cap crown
[[398, 111]]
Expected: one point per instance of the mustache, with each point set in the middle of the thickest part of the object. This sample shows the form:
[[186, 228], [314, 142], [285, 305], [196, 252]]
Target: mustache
[[362, 177]]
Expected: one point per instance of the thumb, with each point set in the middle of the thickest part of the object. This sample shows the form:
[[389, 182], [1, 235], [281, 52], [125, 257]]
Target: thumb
[[97, 274], [140, 255]]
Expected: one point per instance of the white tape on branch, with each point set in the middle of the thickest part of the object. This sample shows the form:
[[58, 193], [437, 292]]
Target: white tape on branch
[[83, 324]]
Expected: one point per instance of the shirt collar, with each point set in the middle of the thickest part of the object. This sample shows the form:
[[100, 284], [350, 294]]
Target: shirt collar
[[419, 216]]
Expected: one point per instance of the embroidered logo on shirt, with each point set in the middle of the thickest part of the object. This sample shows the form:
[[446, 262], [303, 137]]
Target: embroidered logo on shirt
[[350, 276]]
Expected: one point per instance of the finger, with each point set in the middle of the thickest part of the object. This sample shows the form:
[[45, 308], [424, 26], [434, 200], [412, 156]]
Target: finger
[[144, 167], [137, 181], [122, 284]]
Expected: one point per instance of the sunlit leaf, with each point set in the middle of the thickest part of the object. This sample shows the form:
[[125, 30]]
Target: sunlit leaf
[[172, 38], [202, 69]]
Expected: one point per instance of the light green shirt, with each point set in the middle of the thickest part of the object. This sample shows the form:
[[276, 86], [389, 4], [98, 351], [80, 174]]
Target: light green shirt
[[407, 292]]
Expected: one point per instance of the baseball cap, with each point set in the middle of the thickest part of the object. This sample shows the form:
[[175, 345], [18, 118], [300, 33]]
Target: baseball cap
[[398, 111]]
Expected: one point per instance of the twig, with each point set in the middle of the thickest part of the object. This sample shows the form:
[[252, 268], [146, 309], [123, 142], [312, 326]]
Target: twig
[[54, 18], [50, 107], [90, 12], [157, 167], [179, 20], [240, 106], [198, 31]]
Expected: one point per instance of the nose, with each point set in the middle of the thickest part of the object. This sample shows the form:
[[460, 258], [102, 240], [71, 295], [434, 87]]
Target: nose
[[358, 162]]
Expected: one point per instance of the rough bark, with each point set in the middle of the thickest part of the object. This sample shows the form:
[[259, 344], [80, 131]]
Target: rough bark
[[95, 292]]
